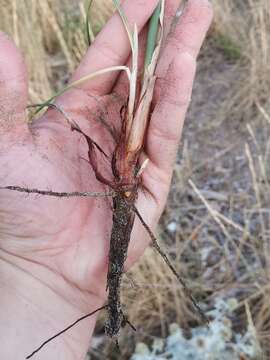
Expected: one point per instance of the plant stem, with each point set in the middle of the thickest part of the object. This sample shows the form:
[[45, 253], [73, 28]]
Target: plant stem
[[136, 134]]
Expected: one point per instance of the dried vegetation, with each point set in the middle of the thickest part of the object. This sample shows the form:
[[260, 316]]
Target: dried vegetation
[[216, 227]]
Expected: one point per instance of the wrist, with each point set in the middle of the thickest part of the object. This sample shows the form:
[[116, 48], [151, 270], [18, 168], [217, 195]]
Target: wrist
[[35, 304]]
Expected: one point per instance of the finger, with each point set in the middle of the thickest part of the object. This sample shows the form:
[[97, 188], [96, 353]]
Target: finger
[[171, 7], [13, 85], [168, 117], [174, 89], [191, 28], [186, 36], [111, 47]]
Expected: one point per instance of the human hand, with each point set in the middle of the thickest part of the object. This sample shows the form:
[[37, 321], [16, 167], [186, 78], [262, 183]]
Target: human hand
[[55, 251]]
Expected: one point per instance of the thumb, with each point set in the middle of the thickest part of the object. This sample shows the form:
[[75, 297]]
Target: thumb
[[13, 86]]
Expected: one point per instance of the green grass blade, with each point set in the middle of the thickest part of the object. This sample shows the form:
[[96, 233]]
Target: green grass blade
[[152, 35]]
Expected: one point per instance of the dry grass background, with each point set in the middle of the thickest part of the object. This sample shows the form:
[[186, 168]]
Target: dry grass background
[[217, 227]]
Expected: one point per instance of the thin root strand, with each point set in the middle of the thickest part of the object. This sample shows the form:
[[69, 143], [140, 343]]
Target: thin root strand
[[64, 330], [167, 261], [58, 194]]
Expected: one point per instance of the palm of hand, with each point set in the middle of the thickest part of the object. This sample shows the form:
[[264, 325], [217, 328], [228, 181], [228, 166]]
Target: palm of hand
[[70, 236]]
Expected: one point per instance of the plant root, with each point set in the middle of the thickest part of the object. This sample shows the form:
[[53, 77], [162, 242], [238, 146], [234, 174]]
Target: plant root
[[64, 330], [58, 194], [167, 261]]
